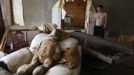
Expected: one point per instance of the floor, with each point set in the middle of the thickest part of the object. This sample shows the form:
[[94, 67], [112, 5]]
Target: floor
[[124, 68], [95, 66]]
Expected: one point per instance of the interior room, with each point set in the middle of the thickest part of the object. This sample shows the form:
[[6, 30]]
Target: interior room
[[66, 37]]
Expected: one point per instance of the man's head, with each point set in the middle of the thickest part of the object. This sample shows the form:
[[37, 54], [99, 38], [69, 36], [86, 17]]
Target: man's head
[[99, 8]]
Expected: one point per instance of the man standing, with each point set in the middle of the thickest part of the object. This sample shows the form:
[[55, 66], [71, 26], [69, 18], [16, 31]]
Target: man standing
[[100, 21]]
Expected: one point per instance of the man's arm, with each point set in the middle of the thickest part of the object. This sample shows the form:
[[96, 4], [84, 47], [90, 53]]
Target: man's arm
[[94, 19], [105, 24]]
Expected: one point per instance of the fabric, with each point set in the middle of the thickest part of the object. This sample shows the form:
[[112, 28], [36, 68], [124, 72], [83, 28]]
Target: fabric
[[37, 40], [2, 54], [3, 71], [69, 42], [16, 59], [62, 69], [99, 31], [57, 12], [59, 70], [6, 11], [89, 17], [18, 12]]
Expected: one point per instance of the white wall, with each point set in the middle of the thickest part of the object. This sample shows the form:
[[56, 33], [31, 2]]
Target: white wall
[[37, 12]]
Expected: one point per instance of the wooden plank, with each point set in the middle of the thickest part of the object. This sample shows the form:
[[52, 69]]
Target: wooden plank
[[23, 28]]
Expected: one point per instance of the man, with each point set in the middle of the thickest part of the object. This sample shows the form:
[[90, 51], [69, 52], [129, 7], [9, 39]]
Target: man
[[100, 21]]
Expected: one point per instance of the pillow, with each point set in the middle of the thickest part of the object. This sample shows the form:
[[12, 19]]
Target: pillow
[[37, 40], [17, 58], [58, 70], [2, 54], [69, 42], [3, 71]]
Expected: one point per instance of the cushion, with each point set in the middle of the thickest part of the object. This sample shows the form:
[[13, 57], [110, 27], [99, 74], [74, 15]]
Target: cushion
[[17, 58], [63, 70], [3, 71], [59, 70], [69, 42], [2, 54], [37, 40]]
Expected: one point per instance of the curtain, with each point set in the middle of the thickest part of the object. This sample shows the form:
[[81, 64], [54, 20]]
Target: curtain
[[57, 12], [89, 17], [18, 12], [6, 11]]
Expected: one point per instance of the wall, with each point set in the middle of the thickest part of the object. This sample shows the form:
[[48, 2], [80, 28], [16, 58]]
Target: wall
[[120, 16], [37, 12]]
